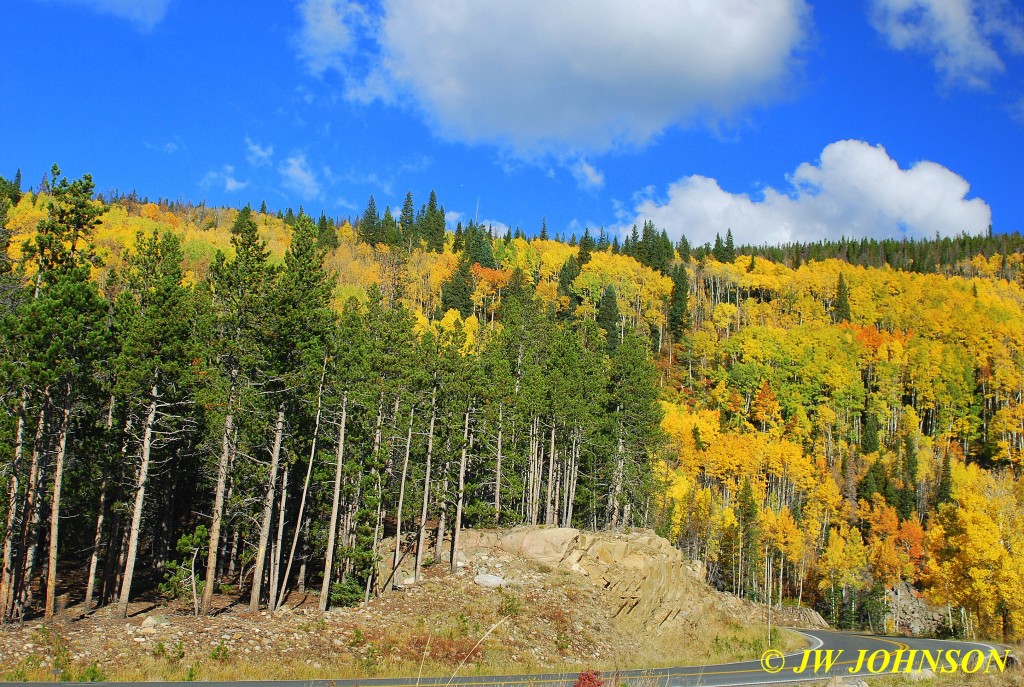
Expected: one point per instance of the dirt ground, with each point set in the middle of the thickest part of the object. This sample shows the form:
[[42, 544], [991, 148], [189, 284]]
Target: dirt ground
[[542, 619]]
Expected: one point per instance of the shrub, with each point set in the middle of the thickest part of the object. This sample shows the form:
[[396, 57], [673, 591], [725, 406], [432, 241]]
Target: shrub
[[589, 678]]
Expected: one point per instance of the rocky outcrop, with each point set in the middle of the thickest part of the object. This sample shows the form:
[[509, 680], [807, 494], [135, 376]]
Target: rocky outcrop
[[651, 583], [909, 612]]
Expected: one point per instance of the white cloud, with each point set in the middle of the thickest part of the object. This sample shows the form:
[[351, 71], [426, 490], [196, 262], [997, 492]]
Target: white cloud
[[224, 176], [588, 177], [326, 32], [169, 148], [298, 177], [855, 190], [145, 14], [256, 154], [963, 37], [574, 75]]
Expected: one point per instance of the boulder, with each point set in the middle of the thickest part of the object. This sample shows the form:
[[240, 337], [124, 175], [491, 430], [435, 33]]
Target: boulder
[[156, 620], [487, 580], [547, 545]]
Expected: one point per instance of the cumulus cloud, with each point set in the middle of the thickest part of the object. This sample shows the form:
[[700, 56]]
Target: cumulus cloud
[[855, 190], [576, 75], [224, 177], [327, 32], [145, 14], [298, 177], [588, 177], [256, 154], [963, 37]]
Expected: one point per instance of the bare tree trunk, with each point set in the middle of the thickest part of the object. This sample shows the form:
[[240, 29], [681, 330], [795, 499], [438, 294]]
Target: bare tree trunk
[[332, 532], [21, 590], [218, 502], [548, 512], [305, 487], [371, 579], [421, 538], [401, 495], [613, 497], [304, 555], [268, 514], [443, 515], [58, 483], [275, 563], [457, 525], [7, 576], [497, 467], [94, 559], [140, 495]]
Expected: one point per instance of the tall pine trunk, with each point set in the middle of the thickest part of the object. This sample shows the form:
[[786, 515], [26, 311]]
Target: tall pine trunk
[[7, 575], [460, 497], [140, 496], [58, 483], [497, 466], [332, 533], [305, 487], [421, 538], [268, 513], [275, 558], [401, 496], [218, 501]]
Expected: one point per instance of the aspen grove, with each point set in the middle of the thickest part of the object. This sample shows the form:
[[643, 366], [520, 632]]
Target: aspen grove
[[209, 401]]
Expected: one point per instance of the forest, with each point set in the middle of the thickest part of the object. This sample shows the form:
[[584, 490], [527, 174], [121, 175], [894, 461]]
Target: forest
[[202, 400]]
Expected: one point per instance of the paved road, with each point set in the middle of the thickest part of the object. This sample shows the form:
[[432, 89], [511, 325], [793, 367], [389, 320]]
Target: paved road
[[851, 654]]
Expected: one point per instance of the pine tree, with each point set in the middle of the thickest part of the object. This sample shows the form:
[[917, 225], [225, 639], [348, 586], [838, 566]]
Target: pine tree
[[239, 291], [543, 235], [154, 377], [369, 224], [566, 276], [679, 311], [407, 222], [457, 292], [63, 327], [841, 310], [434, 225], [326, 234], [587, 246], [389, 232]]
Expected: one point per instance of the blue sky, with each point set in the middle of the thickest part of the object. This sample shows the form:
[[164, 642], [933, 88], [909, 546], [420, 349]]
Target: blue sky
[[781, 119]]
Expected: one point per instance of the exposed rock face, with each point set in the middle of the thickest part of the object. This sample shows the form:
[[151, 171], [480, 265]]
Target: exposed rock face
[[653, 583], [909, 612]]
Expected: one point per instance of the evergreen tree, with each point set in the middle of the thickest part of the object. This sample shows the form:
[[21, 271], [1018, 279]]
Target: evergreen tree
[[457, 292], [239, 291], [407, 222], [154, 378], [434, 225], [543, 236], [841, 310], [587, 246], [389, 232], [62, 328], [369, 224], [729, 248], [679, 311], [566, 276], [326, 234], [718, 252], [683, 247]]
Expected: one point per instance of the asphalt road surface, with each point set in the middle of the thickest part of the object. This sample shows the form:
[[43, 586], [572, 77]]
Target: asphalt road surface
[[836, 653]]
